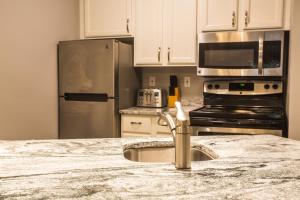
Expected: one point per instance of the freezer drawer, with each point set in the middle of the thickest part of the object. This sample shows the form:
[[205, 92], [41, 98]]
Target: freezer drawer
[[83, 119]]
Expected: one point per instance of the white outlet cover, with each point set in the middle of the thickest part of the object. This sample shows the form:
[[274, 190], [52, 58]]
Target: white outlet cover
[[152, 81], [187, 81]]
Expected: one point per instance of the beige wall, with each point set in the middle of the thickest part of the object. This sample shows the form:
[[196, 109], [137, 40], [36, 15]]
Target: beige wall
[[29, 32], [294, 74]]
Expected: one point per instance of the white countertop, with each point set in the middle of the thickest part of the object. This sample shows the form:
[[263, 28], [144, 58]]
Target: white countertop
[[188, 105], [248, 167]]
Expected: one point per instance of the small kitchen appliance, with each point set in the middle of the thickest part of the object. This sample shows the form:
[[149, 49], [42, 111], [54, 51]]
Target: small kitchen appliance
[[255, 53], [152, 98]]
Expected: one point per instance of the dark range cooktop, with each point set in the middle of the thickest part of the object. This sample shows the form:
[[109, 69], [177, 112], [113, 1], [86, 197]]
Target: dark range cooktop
[[238, 112]]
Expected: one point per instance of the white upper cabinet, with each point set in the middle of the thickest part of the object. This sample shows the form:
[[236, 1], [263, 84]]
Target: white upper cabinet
[[216, 15], [105, 18], [166, 32], [262, 14], [233, 15], [148, 42], [181, 32]]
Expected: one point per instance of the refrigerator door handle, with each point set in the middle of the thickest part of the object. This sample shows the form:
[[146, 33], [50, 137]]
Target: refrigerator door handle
[[91, 97]]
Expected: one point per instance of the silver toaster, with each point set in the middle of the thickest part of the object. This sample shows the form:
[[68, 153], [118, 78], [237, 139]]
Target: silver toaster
[[152, 98]]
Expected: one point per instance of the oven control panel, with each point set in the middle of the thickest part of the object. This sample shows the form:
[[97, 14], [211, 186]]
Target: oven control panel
[[243, 87]]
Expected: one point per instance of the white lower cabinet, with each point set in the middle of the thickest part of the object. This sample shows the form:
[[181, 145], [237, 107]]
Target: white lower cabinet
[[142, 125]]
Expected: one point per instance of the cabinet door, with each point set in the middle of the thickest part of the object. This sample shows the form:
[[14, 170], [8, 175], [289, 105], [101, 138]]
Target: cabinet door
[[216, 15], [148, 33], [181, 32], [107, 18], [262, 14]]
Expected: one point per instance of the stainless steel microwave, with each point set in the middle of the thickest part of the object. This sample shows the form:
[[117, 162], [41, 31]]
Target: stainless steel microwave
[[242, 53]]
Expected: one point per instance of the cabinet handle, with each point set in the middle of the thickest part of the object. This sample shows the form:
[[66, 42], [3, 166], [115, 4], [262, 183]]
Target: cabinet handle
[[233, 19], [260, 54], [158, 54], [246, 18], [169, 53], [127, 25], [136, 123]]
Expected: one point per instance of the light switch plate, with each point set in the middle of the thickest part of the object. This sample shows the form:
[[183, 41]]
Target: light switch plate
[[187, 81], [152, 81]]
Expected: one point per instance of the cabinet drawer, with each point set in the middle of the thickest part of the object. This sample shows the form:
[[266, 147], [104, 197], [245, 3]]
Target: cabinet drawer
[[136, 124]]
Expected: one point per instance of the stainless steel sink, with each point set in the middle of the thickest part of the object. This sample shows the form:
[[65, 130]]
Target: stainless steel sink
[[165, 153]]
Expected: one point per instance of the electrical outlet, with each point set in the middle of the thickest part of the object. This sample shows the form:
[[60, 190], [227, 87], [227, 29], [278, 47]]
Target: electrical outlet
[[152, 81], [187, 81]]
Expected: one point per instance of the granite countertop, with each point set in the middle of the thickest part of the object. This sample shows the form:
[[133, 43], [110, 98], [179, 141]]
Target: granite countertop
[[188, 104], [248, 167]]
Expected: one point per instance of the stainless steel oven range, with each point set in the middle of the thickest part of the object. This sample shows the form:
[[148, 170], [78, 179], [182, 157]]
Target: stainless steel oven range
[[242, 53], [240, 107]]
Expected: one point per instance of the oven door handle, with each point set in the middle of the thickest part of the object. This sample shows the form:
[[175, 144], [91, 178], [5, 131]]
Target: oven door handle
[[231, 121], [215, 121], [234, 121]]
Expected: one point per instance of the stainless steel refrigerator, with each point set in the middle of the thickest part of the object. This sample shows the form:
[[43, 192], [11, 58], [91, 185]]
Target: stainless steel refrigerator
[[96, 79]]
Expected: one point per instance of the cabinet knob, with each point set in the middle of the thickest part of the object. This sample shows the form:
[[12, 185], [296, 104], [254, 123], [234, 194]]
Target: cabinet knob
[[158, 54], [233, 19], [246, 18], [169, 54], [127, 25]]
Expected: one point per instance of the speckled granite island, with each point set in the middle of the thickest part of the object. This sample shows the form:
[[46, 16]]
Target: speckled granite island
[[248, 167]]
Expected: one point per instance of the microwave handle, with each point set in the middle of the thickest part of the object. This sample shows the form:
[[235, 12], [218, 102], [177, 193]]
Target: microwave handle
[[260, 54]]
